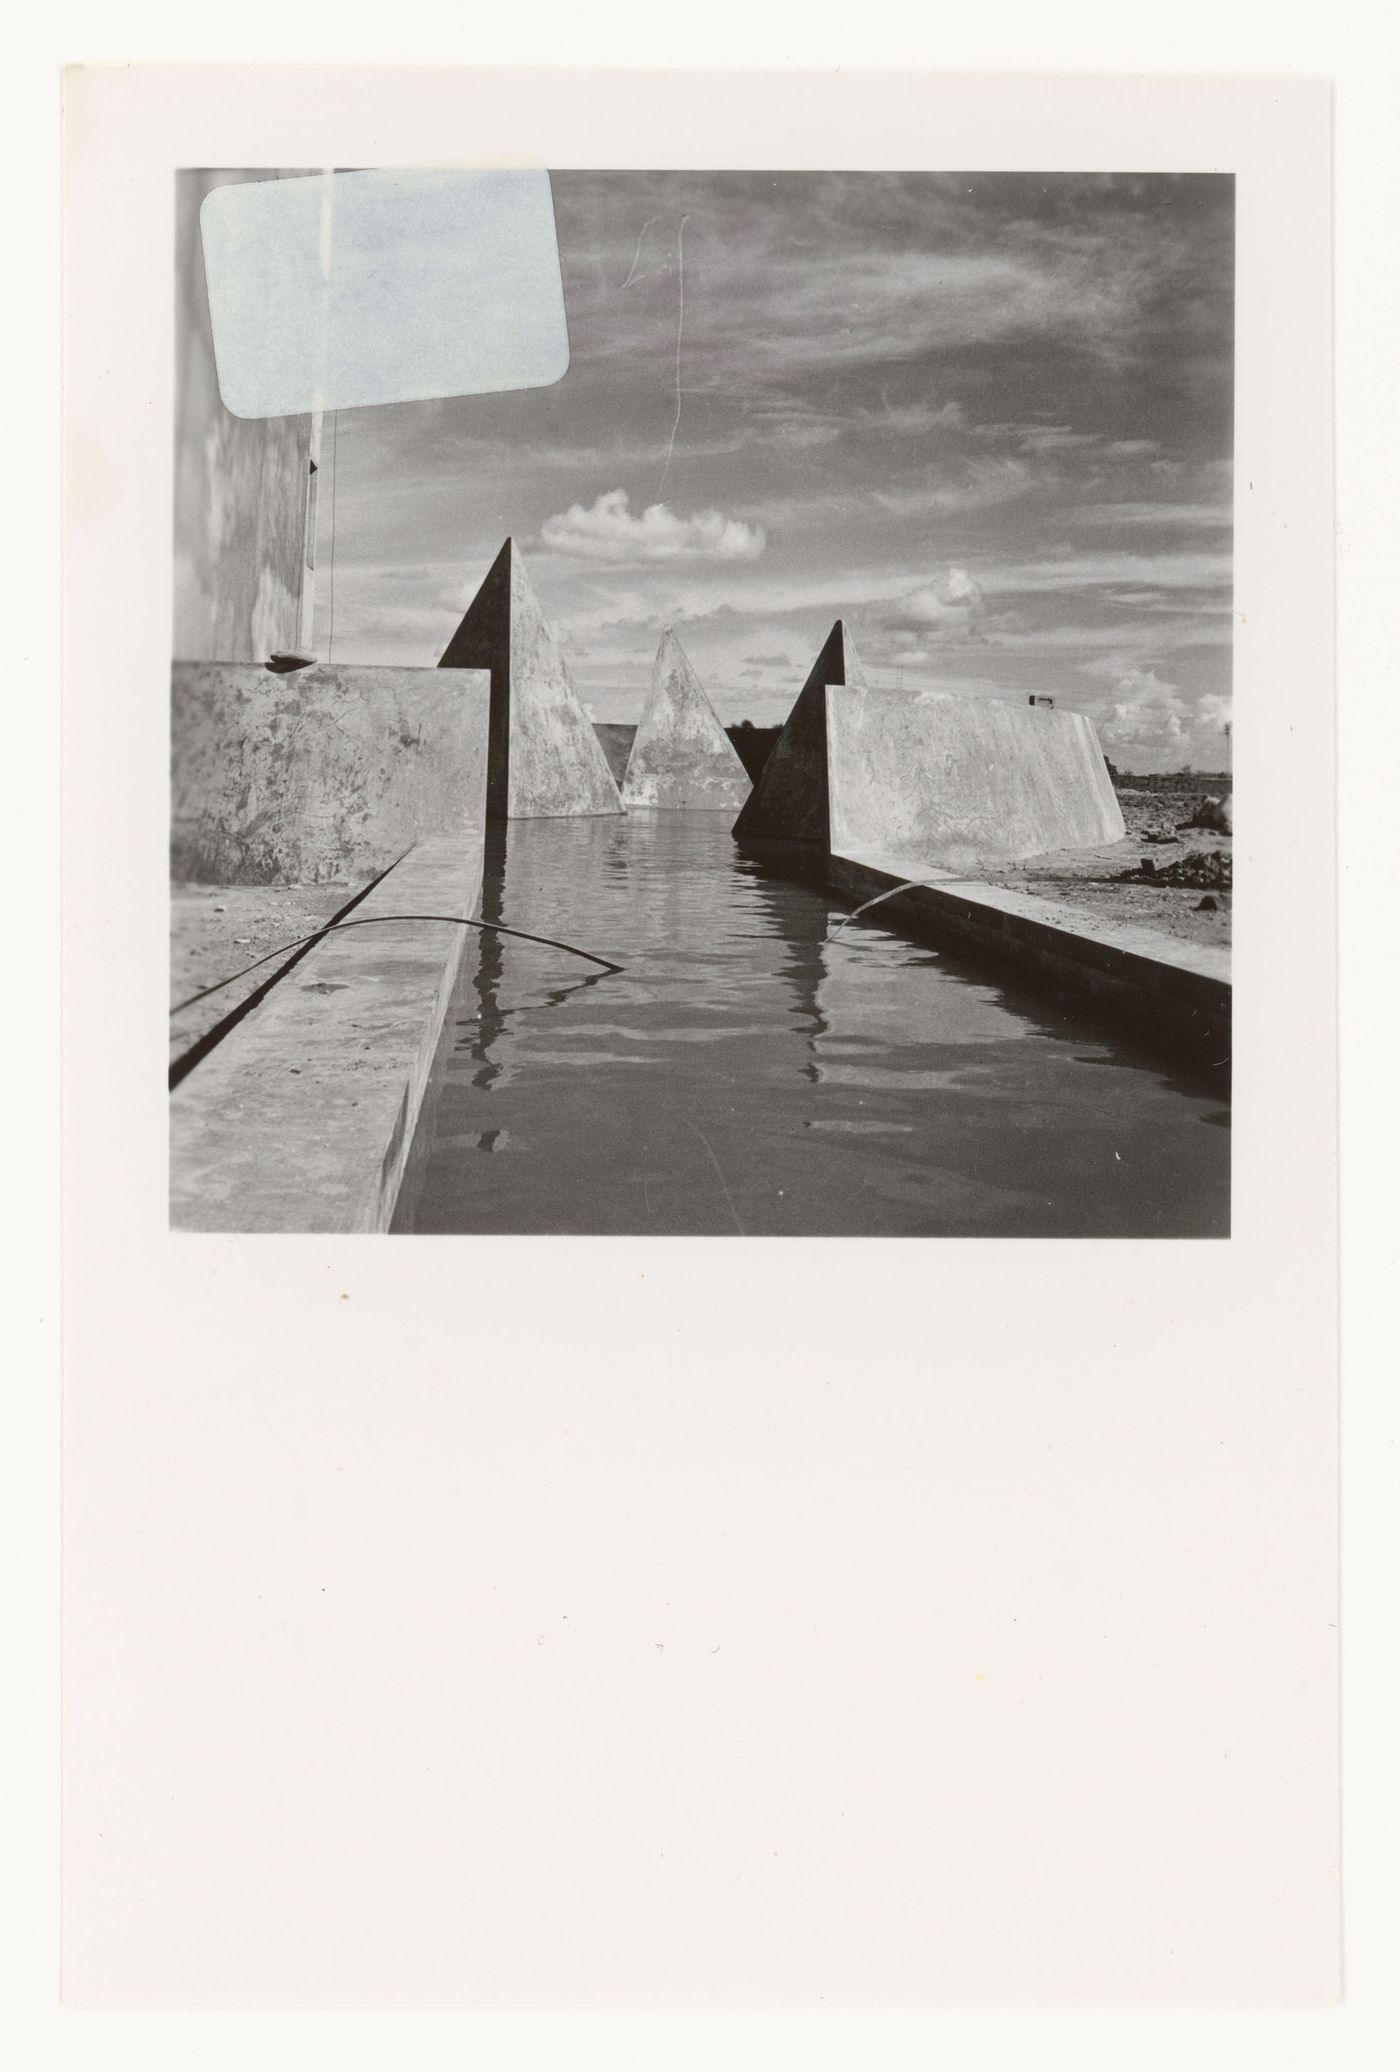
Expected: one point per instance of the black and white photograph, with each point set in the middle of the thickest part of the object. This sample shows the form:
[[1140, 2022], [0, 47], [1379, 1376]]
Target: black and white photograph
[[655, 656], [702, 703]]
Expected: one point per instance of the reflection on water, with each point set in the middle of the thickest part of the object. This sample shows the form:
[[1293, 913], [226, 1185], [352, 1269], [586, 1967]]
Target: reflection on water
[[746, 1074]]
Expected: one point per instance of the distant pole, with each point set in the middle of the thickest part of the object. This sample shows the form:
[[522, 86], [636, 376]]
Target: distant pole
[[1227, 748]]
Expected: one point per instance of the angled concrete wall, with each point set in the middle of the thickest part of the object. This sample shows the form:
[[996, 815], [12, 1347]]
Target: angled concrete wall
[[789, 801], [546, 762], [326, 775], [931, 777], [244, 502], [681, 755]]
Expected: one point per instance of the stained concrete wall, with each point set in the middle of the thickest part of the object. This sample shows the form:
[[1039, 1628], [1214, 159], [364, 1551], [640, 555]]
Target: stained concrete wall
[[936, 778], [242, 486], [326, 775]]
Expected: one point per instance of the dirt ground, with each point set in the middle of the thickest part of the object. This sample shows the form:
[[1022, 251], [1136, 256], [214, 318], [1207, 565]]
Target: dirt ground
[[1091, 878], [219, 929]]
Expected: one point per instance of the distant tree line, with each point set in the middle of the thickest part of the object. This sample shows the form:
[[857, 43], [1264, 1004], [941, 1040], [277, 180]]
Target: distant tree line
[[1184, 779]]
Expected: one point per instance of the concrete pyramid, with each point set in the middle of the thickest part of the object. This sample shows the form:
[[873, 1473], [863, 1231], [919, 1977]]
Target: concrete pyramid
[[681, 755], [789, 801], [544, 761]]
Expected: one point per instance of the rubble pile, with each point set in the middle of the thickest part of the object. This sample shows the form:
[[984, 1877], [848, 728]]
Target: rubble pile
[[1217, 814], [1204, 870]]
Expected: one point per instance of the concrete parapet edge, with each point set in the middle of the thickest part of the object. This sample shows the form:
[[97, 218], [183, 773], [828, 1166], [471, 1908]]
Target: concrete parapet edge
[[302, 1117], [1176, 995]]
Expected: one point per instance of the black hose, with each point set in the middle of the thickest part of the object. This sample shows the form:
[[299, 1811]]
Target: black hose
[[369, 921], [908, 885]]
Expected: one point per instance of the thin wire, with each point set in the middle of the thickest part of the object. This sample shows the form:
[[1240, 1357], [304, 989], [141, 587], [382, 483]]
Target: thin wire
[[335, 477], [680, 331], [369, 921]]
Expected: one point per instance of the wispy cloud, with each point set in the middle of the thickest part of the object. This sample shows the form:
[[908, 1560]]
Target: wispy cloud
[[1191, 568], [607, 530], [1194, 517]]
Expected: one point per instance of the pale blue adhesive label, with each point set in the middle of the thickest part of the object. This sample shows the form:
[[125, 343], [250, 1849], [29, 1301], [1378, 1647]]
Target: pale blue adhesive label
[[344, 289]]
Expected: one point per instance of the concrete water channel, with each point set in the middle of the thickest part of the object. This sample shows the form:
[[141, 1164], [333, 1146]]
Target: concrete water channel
[[764, 1065]]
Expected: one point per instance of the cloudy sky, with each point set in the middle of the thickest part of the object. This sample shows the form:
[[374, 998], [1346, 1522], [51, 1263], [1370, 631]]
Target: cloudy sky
[[987, 419]]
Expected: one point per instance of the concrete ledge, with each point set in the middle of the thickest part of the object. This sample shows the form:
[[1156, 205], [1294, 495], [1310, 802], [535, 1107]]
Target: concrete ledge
[[216, 929], [1176, 994], [301, 1118]]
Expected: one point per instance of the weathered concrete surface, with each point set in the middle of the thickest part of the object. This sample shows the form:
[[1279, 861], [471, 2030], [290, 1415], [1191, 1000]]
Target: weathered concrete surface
[[216, 930], [328, 774], [244, 501], [546, 762], [789, 801], [301, 1118], [962, 781], [681, 755], [1174, 995]]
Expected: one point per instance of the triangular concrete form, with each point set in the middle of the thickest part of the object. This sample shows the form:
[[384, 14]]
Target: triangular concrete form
[[545, 761], [789, 801], [681, 755]]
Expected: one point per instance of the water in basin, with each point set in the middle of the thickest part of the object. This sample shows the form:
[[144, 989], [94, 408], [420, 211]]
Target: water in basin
[[747, 1074]]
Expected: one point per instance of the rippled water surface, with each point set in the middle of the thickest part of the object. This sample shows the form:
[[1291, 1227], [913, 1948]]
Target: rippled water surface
[[747, 1074]]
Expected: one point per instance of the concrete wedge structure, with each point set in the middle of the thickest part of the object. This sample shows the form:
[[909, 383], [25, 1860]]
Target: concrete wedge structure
[[789, 801], [935, 777], [681, 755], [545, 761]]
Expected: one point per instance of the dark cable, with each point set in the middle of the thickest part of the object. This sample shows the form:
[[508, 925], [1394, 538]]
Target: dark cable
[[210, 1040], [369, 921]]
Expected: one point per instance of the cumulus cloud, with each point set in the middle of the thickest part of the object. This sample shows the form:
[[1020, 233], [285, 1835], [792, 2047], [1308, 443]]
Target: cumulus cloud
[[1148, 722], [608, 530], [1147, 713], [948, 606]]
